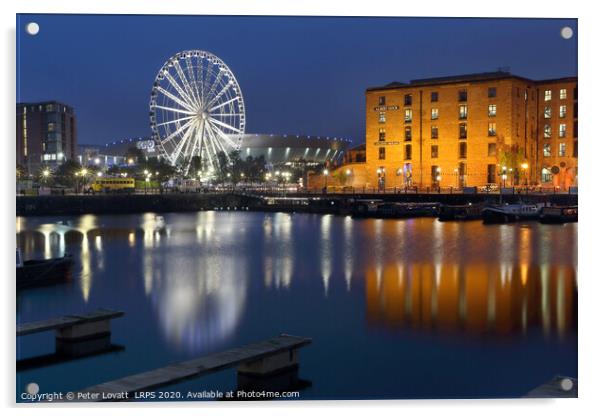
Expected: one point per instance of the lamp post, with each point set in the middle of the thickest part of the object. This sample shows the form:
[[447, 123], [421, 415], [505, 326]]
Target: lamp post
[[457, 173], [438, 178], [325, 173], [504, 176], [525, 166], [83, 174]]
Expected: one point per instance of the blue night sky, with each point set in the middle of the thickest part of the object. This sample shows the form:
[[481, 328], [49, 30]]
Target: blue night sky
[[299, 75]]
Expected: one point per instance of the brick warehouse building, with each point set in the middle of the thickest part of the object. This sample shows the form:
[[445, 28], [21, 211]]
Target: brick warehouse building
[[46, 134], [468, 130]]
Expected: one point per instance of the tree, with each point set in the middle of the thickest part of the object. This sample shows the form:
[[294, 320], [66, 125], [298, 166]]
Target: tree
[[137, 155], [65, 173], [511, 157]]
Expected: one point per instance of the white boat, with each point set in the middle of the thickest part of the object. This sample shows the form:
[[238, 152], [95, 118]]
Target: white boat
[[496, 214]]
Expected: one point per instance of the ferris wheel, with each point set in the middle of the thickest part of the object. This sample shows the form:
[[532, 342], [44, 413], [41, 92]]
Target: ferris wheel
[[197, 110]]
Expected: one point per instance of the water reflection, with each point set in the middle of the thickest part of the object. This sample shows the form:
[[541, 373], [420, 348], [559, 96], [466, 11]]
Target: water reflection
[[474, 298]]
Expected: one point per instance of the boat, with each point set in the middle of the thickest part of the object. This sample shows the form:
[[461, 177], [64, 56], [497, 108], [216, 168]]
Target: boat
[[385, 210], [460, 212], [42, 272], [558, 214], [499, 214]]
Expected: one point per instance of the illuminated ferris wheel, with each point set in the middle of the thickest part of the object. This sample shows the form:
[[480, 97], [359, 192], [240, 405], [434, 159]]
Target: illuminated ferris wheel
[[196, 111]]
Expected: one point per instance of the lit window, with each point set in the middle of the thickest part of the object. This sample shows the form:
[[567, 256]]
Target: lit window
[[491, 149], [492, 110], [547, 150], [408, 115], [381, 135], [547, 95], [562, 149], [49, 108], [434, 132], [382, 117], [491, 130], [492, 92], [463, 112], [562, 112], [434, 113], [563, 93], [547, 112], [434, 151], [51, 126], [547, 131], [562, 130], [381, 153]]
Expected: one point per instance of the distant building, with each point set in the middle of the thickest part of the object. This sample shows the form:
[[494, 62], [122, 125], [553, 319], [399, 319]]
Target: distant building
[[46, 134], [470, 130], [276, 149]]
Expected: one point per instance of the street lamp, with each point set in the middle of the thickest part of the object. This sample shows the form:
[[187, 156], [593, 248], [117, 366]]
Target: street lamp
[[456, 172], [325, 173], [525, 166]]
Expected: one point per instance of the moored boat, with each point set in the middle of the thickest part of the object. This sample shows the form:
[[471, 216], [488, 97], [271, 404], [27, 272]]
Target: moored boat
[[558, 214], [499, 214], [460, 212], [386, 210], [41, 272]]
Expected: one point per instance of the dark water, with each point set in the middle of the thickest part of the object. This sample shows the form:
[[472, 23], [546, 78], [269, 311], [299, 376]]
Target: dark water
[[396, 309]]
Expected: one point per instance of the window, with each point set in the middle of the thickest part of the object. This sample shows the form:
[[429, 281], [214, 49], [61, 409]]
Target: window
[[381, 153], [382, 100], [562, 130], [491, 149], [546, 175], [463, 112], [575, 110], [434, 97], [547, 95], [463, 131], [49, 108], [434, 113], [562, 149], [381, 135], [51, 126], [574, 148], [562, 111], [547, 112], [547, 150], [575, 93], [491, 173], [408, 152], [435, 174], [462, 150], [547, 131], [462, 95], [575, 129], [492, 110], [408, 115], [381, 117], [491, 130], [434, 132], [563, 93], [492, 92], [408, 134], [434, 151], [407, 99]]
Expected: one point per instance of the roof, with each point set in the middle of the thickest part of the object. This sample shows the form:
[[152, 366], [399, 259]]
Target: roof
[[476, 77]]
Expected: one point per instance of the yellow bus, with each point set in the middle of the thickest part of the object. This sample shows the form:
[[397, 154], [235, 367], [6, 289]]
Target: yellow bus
[[109, 185]]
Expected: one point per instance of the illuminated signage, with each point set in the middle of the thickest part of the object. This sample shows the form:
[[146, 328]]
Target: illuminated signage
[[386, 108], [385, 143], [148, 145]]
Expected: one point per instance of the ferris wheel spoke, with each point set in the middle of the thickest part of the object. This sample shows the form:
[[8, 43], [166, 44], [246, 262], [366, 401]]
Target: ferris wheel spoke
[[179, 130], [185, 82], [198, 141], [180, 91], [180, 145], [224, 125], [174, 121], [220, 144], [215, 83], [219, 94], [175, 99], [224, 103], [190, 70], [175, 110], [225, 115], [224, 136]]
